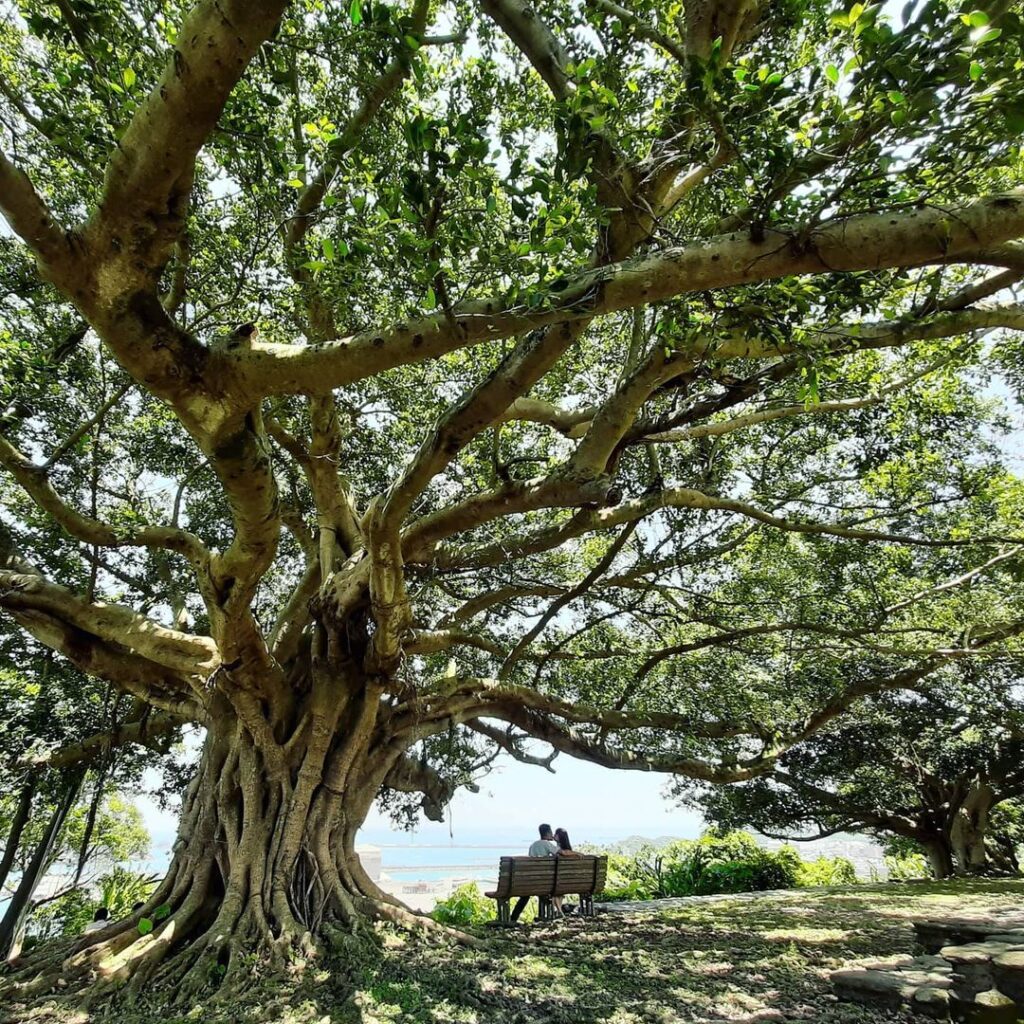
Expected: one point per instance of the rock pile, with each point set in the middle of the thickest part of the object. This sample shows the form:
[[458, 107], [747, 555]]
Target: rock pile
[[972, 970]]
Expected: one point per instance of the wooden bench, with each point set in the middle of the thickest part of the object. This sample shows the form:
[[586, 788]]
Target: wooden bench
[[545, 877]]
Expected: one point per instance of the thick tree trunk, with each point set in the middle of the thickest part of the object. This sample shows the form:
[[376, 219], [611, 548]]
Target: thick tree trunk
[[13, 924], [940, 856], [264, 863], [264, 868], [1003, 854], [967, 833]]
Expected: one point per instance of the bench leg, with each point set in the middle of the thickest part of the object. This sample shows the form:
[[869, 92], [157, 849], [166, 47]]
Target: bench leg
[[545, 908], [503, 912]]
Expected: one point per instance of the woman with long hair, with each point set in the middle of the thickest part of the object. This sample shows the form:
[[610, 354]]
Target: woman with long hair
[[564, 850], [564, 846]]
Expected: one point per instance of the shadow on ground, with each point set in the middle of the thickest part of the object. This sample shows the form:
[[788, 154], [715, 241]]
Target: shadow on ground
[[743, 961]]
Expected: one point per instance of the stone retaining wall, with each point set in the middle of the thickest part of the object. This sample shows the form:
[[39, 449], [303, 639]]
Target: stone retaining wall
[[972, 969]]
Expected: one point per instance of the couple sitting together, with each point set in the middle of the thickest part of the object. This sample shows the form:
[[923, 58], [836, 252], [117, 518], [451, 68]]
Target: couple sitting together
[[550, 844]]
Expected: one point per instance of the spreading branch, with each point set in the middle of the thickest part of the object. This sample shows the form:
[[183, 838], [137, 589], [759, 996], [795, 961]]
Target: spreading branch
[[862, 242]]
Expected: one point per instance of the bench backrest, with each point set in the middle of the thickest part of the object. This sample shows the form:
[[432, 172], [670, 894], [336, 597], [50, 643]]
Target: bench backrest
[[551, 876]]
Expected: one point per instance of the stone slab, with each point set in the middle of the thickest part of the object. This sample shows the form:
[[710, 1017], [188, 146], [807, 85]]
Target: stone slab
[[876, 988], [1008, 974], [973, 952], [932, 1002], [1013, 938], [931, 979], [974, 973]]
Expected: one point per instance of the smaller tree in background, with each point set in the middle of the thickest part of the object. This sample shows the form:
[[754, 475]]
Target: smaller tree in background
[[76, 843], [933, 769], [65, 761]]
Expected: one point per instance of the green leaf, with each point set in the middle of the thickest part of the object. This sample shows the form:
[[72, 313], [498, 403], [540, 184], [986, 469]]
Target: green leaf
[[832, 73], [492, 203], [431, 299], [164, 910], [128, 77], [977, 70], [976, 19], [328, 247], [988, 37], [412, 42], [355, 12], [855, 12], [895, 96], [296, 183], [145, 925]]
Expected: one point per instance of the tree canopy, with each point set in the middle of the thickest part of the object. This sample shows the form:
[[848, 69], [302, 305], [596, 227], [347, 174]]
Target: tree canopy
[[388, 387], [930, 768]]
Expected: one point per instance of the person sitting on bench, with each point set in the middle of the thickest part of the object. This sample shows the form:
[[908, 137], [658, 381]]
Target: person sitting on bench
[[543, 847], [546, 846], [564, 850]]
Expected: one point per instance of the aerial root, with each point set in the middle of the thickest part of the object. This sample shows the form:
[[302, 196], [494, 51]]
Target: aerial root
[[398, 915]]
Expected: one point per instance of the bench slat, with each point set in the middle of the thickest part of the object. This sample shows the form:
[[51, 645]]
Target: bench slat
[[550, 876]]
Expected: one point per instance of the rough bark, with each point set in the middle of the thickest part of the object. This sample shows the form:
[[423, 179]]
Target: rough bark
[[968, 828], [940, 856], [264, 863]]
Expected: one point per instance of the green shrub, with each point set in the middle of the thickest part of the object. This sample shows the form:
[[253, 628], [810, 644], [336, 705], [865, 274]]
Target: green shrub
[[717, 862], [826, 871], [119, 891], [721, 845], [907, 866], [761, 870], [466, 905], [684, 874], [618, 887], [788, 865], [728, 876], [122, 888], [66, 915]]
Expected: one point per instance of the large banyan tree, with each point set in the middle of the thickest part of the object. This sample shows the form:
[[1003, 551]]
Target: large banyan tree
[[386, 387]]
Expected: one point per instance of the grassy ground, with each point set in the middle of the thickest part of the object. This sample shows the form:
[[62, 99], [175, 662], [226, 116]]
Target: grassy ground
[[757, 960]]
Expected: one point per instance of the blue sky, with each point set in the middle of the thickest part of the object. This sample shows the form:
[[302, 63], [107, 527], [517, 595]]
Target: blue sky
[[579, 796]]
